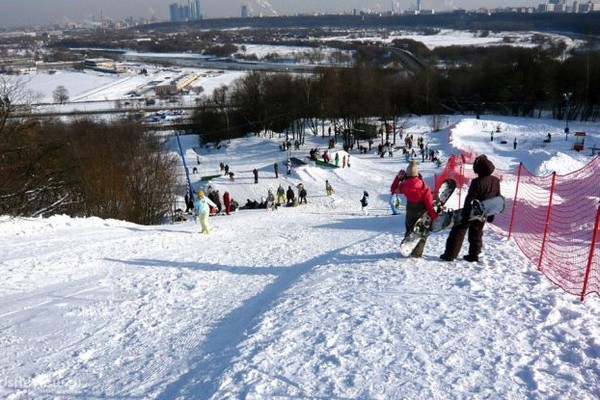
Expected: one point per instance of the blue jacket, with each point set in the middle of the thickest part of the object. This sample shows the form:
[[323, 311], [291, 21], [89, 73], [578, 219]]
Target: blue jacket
[[202, 205]]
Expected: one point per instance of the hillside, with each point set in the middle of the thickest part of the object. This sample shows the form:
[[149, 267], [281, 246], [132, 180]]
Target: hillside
[[306, 302]]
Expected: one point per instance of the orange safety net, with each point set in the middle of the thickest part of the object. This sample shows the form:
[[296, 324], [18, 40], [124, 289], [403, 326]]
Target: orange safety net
[[552, 219]]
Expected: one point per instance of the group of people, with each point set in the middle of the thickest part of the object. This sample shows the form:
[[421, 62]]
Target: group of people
[[227, 172], [420, 201], [409, 182]]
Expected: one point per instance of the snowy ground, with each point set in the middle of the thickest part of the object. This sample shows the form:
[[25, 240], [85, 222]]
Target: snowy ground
[[311, 302]]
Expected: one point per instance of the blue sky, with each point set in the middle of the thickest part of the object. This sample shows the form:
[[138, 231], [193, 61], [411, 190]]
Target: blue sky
[[19, 12]]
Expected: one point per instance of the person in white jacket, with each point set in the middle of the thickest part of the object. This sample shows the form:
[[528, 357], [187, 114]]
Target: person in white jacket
[[202, 207]]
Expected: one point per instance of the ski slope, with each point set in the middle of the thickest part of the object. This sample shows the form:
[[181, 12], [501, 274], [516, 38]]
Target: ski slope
[[309, 302]]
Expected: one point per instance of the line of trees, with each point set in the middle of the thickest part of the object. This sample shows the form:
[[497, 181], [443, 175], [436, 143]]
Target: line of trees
[[83, 168], [501, 80]]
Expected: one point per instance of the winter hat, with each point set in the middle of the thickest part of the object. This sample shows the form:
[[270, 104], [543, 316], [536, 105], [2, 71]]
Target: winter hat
[[412, 169], [483, 166], [200, 193]]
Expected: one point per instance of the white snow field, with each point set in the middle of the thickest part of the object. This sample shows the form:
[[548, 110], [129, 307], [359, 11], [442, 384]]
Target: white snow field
[[308, 302]]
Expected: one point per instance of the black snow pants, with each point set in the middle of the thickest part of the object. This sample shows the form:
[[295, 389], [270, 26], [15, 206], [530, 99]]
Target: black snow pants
[[457, 236]]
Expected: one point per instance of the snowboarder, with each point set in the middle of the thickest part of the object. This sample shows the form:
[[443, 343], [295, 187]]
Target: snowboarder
[[485, 186], [418, 200], [202, 207], [276, 168], [280, 195], [328, 188], [364, 202], [270, 204], [227, 202], [290, 196], [255, 172], [301, 193], [515, 144], [189, 202]]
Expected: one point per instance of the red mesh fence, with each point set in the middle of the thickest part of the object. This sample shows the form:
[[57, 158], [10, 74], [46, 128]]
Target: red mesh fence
[[553, 219]]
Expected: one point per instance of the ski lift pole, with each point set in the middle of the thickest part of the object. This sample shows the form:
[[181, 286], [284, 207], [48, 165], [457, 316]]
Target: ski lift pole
[[187, 173]]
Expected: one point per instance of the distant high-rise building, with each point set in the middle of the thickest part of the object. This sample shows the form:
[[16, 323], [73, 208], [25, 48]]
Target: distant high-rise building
[[185, 12], [195, 11], [198, 10], [174, 12], [244, 13]]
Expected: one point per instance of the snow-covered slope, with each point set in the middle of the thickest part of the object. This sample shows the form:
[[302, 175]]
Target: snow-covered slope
[[306, 302]]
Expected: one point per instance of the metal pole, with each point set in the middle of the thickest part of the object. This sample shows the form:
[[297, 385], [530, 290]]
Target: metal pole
[[591, 256], [547, 225], [187, 173], [514, 206], [567, 97]]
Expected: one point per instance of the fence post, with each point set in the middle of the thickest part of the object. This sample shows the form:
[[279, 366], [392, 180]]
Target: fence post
[[591, 256], [514, 206], [547, 224], [462, 178]]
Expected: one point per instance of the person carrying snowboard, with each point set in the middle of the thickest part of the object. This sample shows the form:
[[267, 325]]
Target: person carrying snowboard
[[484, 187], [202, 207], [419, 200], [227, 202]]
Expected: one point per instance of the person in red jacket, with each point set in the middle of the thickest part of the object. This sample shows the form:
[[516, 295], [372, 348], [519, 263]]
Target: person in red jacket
[[419, 200], [227, 201]]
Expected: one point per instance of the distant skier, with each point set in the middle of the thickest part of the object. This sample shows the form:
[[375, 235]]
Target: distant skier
[[290, 196], [301, 193], [270, 204], [227, 202], [255, 172], [364, 202], [280, 195], [328, 188]]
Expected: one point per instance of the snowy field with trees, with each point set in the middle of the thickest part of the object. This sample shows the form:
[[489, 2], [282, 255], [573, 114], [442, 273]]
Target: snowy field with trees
[[311, 302]]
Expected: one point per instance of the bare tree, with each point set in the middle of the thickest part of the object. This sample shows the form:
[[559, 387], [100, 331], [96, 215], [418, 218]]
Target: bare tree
[[60, 94]]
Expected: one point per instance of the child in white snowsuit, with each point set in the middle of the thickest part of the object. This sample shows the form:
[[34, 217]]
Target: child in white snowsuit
[[202, 207]]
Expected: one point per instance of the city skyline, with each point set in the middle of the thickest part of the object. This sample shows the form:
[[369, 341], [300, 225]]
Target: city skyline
[[42, 12]]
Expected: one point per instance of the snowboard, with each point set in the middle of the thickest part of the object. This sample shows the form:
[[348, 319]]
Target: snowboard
[[422, 227], [480, 210]]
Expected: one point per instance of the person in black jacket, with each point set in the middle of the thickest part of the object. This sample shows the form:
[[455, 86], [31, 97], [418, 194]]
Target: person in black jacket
[[484, 187], [290, 196]]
